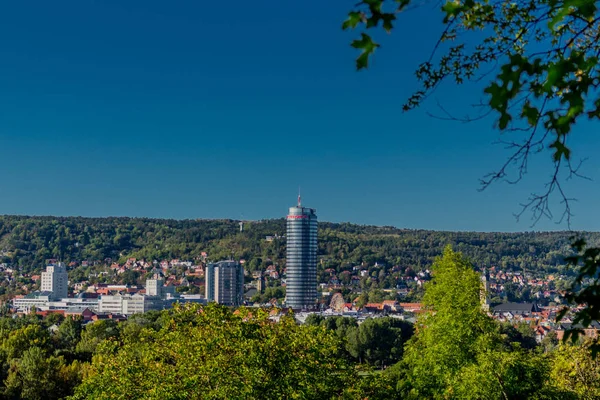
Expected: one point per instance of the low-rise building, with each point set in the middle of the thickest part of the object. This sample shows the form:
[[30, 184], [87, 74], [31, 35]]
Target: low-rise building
[[128, 304], [44, 301]]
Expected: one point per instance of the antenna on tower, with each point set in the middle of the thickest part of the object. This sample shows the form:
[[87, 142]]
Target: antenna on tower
[[299, 198]]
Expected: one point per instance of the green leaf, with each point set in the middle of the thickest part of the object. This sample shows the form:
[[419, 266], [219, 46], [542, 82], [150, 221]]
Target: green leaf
[[561, 150], [583, 8], [387, 22], [354, 18], [452, 9], [556, 72], [504, 120], [402, 4], [362, 61], [368, 46], [531, 113]]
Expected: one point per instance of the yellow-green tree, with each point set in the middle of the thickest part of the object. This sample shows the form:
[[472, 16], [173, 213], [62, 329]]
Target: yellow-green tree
[[576, 372], [212, 353], [458, 351]]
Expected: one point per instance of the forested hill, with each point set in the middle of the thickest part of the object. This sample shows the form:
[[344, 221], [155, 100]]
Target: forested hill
[[30, 241]]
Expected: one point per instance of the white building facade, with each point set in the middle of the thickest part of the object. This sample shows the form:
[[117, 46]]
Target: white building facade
[[128, 304], [55, 280]]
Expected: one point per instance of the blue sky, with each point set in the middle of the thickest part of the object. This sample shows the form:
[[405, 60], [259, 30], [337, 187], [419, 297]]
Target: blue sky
[[194, 109]]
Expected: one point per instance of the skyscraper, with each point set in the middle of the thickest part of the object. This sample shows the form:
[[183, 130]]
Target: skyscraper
[[55, 280], [224, 283], [301, 284]]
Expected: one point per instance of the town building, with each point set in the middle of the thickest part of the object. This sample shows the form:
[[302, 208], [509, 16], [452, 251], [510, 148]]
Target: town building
[[156, 286], [516, 308], [301, 283], [55, 281], [128, 304], [44, 301], [225, 283], [592, 331]]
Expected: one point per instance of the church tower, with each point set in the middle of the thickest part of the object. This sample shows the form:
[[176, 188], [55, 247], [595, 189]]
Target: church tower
[[484, 291]]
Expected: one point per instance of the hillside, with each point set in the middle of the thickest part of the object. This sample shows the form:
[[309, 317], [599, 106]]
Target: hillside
[[29, 241]]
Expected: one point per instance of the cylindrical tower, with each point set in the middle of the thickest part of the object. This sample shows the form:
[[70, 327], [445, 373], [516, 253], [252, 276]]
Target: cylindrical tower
[[301, 283]]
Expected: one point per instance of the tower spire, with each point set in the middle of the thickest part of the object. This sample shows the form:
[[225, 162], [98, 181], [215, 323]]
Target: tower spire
[[299, 198]]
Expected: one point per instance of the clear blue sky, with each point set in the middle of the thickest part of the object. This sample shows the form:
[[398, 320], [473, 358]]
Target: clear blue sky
[[196, 109]]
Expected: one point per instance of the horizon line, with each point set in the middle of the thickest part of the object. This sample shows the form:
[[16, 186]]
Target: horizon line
[[283, 218]]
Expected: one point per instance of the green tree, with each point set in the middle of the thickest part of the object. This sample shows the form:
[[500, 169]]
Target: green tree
[[314, 319], [211, 353], [378, 341], [521, 333], [20, 340], [575, 371], [94, 334], [458, 351], [37, 376], [69, 333], [549, 342]]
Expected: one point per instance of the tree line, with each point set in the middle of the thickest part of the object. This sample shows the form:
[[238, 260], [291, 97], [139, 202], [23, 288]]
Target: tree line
[[454, 351], [29, 241]]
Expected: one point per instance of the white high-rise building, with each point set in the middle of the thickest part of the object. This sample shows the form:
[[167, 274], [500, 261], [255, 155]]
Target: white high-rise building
[[55, 280]]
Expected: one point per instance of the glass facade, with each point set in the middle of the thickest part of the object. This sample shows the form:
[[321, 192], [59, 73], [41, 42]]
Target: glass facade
[[301, 283]]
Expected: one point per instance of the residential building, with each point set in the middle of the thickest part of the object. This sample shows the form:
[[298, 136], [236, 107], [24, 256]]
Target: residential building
[[55, 281], [225, 283], [591, 331], [301, 283]]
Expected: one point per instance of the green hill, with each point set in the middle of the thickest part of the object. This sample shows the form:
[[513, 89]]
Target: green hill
[[30, 241]]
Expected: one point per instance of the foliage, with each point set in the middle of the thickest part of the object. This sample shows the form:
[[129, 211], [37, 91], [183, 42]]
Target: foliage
[[588, 261], [69, 333], [38, 376], [377, 341], [35, 364], [94, 334], [548, 75], [547, 82], [458, 351], [271, 292], [213, 353], [522, 334], [575, 371]]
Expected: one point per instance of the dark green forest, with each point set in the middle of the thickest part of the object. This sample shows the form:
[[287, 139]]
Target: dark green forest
[[29, 241]]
